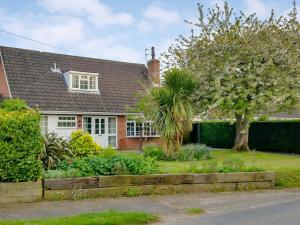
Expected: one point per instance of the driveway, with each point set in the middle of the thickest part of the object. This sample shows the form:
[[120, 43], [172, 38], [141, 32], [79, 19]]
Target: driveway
[[274, 207]]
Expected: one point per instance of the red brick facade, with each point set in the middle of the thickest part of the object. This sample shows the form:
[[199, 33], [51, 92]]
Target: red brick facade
[[3, 83], [130, 143]]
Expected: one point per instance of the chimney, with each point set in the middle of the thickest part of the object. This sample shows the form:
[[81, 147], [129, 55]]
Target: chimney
[[154, 68]]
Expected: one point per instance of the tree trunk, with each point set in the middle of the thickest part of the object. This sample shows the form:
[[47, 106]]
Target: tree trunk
[[242, 133]]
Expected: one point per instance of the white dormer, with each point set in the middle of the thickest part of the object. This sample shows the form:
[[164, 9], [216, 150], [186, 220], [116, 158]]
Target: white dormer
[[82, 81]]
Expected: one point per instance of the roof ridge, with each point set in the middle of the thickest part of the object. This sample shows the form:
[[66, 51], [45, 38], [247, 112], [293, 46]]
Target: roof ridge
[[69, 55]]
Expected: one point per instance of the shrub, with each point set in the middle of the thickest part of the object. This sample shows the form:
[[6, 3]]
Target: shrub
[[82, 144], [21, 144], [187, 153], [154, 151], [56, 148], [116, 165], [193, 152], [274, 136], [15, 104]]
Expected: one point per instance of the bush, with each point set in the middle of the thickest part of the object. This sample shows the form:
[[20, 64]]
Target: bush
[[115, 165], [187, 153], [56, 149], [21, 144], [193, 152], [82, 144], [273, 136], [15, 104]]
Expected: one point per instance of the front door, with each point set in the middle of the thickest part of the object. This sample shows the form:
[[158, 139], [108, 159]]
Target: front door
[[104, 130]]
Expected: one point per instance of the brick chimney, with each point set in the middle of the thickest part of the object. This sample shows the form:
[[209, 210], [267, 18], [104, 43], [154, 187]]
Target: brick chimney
[[154, 68]]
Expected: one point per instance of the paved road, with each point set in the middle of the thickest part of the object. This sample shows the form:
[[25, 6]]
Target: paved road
[[275, 207]]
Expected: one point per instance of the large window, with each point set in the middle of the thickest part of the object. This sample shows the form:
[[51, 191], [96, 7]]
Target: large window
[[66, 122], [134, 129], [84, 82]]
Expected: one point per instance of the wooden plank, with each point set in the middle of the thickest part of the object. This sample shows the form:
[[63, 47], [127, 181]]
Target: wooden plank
[[206, 178], [264, 176], [246, 186], [20, 185], [71, 183], [154, 179], [234, 177]]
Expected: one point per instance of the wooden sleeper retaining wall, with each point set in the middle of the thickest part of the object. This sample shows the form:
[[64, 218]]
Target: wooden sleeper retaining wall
[[112, 186]]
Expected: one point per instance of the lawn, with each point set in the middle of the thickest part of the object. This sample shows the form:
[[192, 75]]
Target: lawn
[[101, 218], [287, 167]]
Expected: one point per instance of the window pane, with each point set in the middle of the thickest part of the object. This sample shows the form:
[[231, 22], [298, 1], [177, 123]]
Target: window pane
[[87, 124], [147, 129], [111, 125], [130, 128], [138, 129], [96, 126], [102, 126], [112, 141], [75, 81], [44, 124], [92, 82], [84, 84]]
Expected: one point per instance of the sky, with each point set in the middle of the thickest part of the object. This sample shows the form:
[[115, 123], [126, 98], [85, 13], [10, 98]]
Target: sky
[[110, 29]]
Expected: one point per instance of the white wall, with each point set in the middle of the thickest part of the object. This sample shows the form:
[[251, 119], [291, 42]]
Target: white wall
[[52, 127]]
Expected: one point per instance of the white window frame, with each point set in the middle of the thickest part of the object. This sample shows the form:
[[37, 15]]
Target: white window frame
[[143, 124], [66, 116], [83, 76]]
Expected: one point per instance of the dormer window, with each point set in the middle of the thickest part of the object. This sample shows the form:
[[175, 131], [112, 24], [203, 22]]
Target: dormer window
[[82, 81]]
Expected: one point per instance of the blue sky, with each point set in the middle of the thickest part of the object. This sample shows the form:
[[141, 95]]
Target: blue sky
[[109, 29]]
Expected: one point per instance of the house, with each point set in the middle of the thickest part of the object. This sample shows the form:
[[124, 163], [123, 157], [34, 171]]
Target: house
[[75, 93]]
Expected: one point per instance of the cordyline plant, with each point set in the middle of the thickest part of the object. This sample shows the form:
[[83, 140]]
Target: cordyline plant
[[170, 107], [245, 66]]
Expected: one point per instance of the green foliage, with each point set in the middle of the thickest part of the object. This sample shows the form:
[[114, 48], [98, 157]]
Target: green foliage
[[276, 136], [15, 104], [112, 165], [98, 218], [170, 107], [245, 66], [228, 165], [108, 152], [56, 148], [187, 153], [82, 144], [21, 144], [195, 211]]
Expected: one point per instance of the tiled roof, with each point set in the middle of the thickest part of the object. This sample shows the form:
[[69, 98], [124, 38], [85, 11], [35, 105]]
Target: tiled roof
[[30, 78]]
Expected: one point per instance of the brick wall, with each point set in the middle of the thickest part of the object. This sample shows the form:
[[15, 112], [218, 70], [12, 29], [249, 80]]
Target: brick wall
[[3, 84], [132, 143]]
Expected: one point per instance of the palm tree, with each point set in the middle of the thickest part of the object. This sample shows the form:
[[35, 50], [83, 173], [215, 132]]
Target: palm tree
[[172, 107]]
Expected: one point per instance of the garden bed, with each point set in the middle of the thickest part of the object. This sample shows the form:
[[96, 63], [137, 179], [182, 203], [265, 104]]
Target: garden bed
[[113, 186], [20, 192]]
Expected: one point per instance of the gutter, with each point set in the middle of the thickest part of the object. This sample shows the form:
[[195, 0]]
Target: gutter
[[86, 113], [2, 62]]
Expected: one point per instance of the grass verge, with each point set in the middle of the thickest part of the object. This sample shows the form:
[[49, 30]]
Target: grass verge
[[100, 218]]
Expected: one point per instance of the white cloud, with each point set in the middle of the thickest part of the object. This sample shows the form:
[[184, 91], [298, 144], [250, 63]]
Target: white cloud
[[156, 17], [161, 16], [96, 12], [145, 25], [261, 8], [66, 32]]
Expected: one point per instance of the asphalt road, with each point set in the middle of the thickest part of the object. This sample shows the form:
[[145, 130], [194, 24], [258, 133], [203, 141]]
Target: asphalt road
[[268, 207]]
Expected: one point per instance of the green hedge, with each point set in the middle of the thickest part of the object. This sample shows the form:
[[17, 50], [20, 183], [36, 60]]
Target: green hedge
[[275, 136], [21, 144]]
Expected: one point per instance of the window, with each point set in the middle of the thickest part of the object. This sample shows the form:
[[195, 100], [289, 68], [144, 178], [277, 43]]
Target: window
[[134, 129], [66, 122], [83, 81], [112, 141], [112, 125], [130, 128], [87, 124], [44, 124], [99, 126]]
